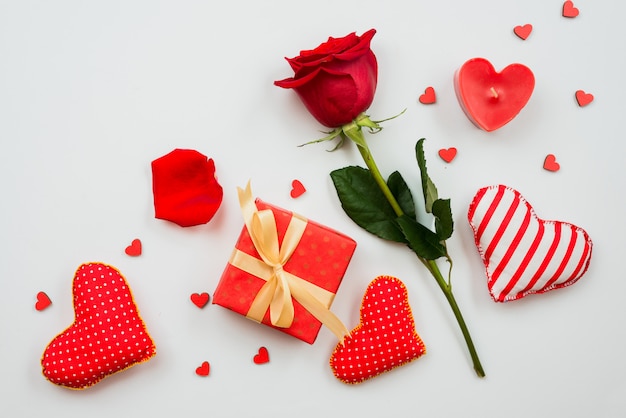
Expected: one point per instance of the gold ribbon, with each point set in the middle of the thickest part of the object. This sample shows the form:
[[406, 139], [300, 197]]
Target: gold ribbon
[[280, 286]]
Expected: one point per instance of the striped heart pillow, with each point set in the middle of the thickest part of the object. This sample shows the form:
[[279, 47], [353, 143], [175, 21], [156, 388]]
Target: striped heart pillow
[[522, 253]]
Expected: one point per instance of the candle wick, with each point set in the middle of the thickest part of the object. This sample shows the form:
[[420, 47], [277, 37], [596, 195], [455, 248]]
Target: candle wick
[[494, 92]]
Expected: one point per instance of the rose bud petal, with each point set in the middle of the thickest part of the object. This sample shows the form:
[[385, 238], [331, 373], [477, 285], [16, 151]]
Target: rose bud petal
[[337, 80], [185, 188]]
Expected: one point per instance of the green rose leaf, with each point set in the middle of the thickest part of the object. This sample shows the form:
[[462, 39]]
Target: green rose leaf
[[444, 225], [430, 191], [365, 203], [400, 190], [422, 241]]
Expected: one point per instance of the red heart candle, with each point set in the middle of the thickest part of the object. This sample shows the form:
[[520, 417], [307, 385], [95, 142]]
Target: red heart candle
[[491, 99]]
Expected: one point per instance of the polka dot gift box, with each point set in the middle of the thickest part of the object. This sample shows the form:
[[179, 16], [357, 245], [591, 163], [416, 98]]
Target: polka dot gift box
[[285, 270], [107, 335]]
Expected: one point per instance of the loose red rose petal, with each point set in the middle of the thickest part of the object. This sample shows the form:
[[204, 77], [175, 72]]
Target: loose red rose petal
[[185, 188]]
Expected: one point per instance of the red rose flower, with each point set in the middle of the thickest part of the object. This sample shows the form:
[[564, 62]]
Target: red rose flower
[[337, 80], [185, 189]]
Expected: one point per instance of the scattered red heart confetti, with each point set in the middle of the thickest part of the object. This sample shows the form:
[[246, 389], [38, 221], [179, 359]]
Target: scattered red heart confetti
[[550, 163], [447, 154], [262, 356], [107, 335], [134, 249], [384, 339], [522, 253], [523, 31], [43, 301], [200, 299], [204, 369], [297, 189], [583, 98], [569, 10], [492, 99], [429, 96]]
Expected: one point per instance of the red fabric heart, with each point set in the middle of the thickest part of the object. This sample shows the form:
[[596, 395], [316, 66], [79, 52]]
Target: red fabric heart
[[263, 356], [550, 163], [204, 369], [107, 335], [297, 189], [384, 339], [185, 188], [569, 10], [43, 301], [447, 154], [200, 299], [491, 99], [583, 98], [429, 96], [523, 31], [134, 249], [522, 253]]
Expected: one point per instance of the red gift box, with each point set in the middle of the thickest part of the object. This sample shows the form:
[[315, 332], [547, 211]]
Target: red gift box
[[300, 287]]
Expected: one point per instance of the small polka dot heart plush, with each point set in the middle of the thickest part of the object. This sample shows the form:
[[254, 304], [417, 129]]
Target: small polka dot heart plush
[[384, 339], [107, 335]]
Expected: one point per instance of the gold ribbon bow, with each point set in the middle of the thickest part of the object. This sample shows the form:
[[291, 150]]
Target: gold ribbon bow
[[280, 286]]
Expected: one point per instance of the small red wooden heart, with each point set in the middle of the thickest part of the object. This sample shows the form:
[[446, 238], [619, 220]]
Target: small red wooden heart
[[523, 31], [447, 154], [262, 356], [43, 301], [200, 299], [429, 96], [569, 10], [522, 253], [134, 249], [297, 189], [204, 369], [384, 339], [550, 163], [107, 335], [491, 99], [583, 98]]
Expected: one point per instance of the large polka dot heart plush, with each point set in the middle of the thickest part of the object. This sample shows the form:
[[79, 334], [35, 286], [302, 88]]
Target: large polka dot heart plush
[[522, 253], [384, 339], [107, 335]]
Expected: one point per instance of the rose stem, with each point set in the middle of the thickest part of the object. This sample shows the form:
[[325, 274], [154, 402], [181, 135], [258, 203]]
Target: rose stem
[[355, 133]]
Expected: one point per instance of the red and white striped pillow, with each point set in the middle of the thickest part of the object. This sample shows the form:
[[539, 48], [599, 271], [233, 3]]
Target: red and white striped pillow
[[522, 253]]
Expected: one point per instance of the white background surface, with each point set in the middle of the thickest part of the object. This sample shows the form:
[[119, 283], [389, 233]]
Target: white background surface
[[92, 92]]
